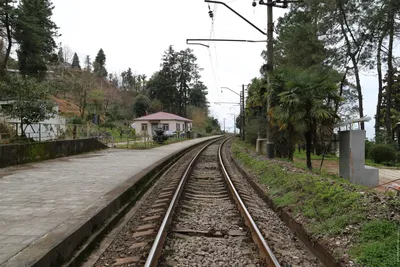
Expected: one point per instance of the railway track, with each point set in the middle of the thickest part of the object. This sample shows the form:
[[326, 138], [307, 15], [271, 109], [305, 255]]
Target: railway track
[[195, 217], [207, 229]]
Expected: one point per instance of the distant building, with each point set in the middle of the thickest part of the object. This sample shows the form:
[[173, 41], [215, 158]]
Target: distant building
[[166, 121], [45, 130]]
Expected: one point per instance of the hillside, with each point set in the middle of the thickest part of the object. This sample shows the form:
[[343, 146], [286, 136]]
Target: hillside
[[66, 107]]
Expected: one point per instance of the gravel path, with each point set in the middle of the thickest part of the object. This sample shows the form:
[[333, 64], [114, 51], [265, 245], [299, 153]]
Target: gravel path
[[208, 230], [286, 247]]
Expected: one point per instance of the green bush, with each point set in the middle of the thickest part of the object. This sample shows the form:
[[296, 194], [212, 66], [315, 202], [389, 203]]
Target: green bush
[[252, 128], [368, 146], [382, 153], [76, 120]]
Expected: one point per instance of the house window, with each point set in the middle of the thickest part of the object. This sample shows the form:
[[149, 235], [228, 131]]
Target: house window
[[178, 126], [144, 127], [165, 127]]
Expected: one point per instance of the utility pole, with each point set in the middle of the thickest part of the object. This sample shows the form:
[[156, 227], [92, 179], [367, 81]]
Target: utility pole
[[243, 112], [270, 53], [270, 68], [224, 125], [270, 61], [234, 124]]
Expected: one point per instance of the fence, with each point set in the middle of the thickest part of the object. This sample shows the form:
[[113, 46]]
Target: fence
[[52, 131], [59, 131]]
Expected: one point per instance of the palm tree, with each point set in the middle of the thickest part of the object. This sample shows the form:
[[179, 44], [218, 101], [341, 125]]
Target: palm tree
[[303, 104]]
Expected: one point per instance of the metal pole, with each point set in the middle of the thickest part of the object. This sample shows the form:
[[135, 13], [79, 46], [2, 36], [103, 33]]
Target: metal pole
[[224, 124], [234, 124], [270, 68], [243, 112]]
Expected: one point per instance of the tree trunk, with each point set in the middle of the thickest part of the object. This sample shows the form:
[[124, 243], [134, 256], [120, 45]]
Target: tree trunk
[[341, 90], [22, 129], [353, 57], [308, 137], [359, 90], [83, 104], [7, 26], [380, 85], [390, 76]]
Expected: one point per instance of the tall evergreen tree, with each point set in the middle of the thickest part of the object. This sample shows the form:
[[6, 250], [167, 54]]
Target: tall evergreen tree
[[88, 64], [34, 33], [177, 84], [75, 62], [128, 81], [60, 55], [99, 64]]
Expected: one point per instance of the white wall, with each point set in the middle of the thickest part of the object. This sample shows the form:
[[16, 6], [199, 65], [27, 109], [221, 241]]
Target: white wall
[[49, 129]]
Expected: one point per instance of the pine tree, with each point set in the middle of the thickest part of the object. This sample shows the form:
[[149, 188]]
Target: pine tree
[[34, 33], [99, 64], [60, 55], [75, 62], [88, 64]]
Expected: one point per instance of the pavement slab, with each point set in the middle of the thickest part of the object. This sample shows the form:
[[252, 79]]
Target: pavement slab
[[41, 199]]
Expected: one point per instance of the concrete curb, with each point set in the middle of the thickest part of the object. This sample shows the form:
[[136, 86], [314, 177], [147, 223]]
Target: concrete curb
[[98, 218]]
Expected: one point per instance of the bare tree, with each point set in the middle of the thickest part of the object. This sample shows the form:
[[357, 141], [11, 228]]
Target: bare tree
[[68, 54]]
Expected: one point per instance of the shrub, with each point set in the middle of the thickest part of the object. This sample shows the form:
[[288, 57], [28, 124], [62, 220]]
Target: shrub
[[368, 146], [382, 153], [159, 136], [252, 128], [76, 120]]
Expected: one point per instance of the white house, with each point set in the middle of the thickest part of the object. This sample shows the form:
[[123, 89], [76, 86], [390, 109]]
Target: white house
[[167, 121]]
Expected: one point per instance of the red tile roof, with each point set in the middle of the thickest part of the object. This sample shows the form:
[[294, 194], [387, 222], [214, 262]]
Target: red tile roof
[[162, 116]]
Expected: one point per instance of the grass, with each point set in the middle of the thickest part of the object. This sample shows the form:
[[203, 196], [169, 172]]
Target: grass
[[329, 157], [378, 244], [302, 156], [330, 205]]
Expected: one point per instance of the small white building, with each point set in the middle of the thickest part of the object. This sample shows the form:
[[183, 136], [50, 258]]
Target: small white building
[[166, 121], [42, 131]]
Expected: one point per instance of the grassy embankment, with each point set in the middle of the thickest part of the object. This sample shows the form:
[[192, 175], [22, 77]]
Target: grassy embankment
[[329, 206], [301, 156]]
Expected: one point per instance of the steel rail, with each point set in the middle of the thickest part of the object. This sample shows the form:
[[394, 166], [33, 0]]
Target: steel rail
[[265, 251], [152, 259]]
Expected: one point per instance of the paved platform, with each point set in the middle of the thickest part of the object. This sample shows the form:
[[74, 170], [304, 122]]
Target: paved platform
[[43, 200]]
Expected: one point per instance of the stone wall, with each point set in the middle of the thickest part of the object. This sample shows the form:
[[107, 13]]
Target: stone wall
[[25, 153]]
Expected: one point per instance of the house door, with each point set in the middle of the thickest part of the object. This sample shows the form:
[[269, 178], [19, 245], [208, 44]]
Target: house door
[[154, 127]]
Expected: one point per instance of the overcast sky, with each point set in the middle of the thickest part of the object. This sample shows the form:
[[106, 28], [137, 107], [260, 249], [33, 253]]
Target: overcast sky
[[135, 34]]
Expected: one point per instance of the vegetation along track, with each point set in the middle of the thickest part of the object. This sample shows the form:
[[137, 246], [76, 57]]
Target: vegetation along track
[[191, 220]]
